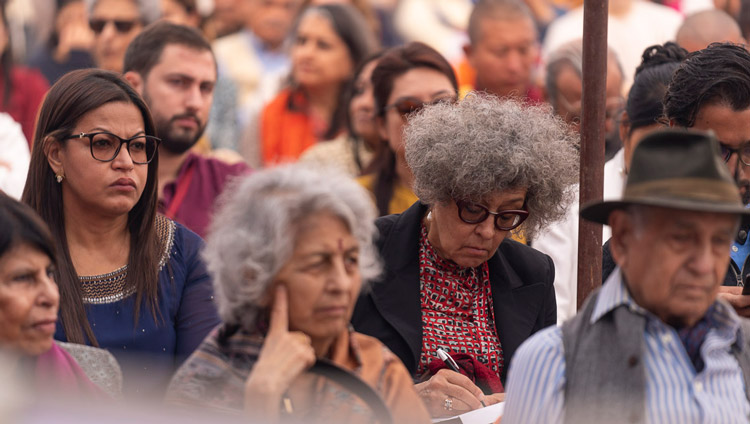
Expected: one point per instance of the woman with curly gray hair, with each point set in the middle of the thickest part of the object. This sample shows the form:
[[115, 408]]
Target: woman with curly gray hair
[[454, 280], [289, 251]]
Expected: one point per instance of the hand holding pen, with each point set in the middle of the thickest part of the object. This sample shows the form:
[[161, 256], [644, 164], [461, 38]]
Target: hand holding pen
[[445, 357]]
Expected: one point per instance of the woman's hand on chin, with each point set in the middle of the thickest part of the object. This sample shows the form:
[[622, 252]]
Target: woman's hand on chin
[[284, 356], [449, 393]]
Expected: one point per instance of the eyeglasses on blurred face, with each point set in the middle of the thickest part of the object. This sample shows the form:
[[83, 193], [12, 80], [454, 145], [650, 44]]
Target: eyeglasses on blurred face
[[122, 26], [409, 105], [743, 151], [106, 146], [474, 213]]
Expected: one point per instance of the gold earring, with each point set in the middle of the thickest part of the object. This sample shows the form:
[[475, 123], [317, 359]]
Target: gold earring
[[59, 178]]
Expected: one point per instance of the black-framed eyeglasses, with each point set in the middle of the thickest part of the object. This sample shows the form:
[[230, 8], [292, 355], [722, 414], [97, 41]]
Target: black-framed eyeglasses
[[121, 25], [105, 146], [474, 213], [408, 105], [743, 152]]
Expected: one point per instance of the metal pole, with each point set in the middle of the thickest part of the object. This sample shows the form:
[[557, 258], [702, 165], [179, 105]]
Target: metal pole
[[592, 142]]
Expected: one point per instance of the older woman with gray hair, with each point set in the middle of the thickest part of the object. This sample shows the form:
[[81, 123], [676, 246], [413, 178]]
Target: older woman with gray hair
[[453, 278], [289, 251]]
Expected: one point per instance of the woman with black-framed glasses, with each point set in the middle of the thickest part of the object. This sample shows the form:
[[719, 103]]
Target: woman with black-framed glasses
[[454, 279], [131, 281]]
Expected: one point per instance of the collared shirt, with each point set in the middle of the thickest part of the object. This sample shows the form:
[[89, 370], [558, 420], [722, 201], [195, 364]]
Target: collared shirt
[[674, 392], [208, 180]]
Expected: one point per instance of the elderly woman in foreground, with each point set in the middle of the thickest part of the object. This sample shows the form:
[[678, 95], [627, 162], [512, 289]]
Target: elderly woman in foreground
[[289, 252], [29, 300], [454, 279]]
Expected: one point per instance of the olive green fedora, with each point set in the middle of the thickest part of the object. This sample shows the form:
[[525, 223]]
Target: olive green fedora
[[679, 169]]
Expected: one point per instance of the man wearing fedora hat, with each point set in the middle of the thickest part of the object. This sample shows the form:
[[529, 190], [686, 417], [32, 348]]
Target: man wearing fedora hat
[[653, 344], [711, 91]]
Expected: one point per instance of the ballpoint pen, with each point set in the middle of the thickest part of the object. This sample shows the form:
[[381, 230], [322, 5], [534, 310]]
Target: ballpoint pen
[[445, 357]]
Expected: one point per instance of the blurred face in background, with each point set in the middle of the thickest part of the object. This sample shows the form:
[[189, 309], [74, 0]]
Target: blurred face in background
[[227, 17], [175, 12], [272, 20], [362, 106], [320, 58], [504, 55], [415, 87], [568, 104], [115, 24]]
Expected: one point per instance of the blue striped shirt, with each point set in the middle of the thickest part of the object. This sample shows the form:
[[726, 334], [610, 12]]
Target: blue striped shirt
[[674, 392]]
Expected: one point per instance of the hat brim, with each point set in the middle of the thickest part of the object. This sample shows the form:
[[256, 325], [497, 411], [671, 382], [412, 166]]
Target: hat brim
[[600, 211]]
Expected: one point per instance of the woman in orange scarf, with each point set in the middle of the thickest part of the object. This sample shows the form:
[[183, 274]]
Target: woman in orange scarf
[[329, 42]]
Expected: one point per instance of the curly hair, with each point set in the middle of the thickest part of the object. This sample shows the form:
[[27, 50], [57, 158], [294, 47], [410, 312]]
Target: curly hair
[[252, 235], [483, 144], [717, 74]]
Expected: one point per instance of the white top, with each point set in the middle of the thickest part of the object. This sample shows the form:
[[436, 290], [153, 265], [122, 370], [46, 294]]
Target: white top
[[560, 240], [644, 25], [441, 24], [14, 157]]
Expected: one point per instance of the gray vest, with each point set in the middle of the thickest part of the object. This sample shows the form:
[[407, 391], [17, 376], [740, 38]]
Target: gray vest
[[605, 378]]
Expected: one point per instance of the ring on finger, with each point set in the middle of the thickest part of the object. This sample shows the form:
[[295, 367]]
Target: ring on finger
[[448, 404]]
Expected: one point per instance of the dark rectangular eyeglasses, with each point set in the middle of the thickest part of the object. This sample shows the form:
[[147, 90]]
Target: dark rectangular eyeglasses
[[106, 146], [743, 151], [474, 213]]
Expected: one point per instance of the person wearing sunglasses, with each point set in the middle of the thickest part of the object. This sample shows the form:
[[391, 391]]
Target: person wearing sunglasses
[[453, 278], [131, 281], [405, 79], [115, 23]]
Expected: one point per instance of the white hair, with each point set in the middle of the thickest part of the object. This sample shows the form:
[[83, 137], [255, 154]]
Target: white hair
[[253, 233]]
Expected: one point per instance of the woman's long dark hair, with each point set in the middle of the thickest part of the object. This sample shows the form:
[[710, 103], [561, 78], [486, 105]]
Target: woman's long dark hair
[[74, 95], [394, 63]]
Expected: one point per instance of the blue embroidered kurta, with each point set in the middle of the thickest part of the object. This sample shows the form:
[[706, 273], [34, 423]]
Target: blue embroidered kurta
[[151, 350]]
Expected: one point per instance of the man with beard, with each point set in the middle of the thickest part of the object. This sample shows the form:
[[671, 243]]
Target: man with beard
[[711, 91], [173, 68]]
